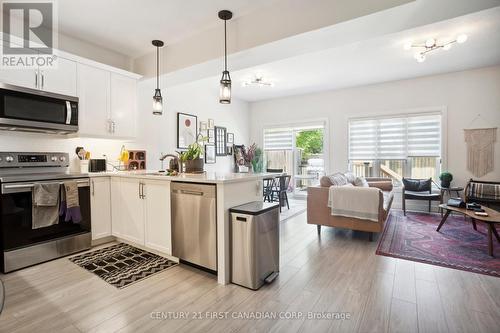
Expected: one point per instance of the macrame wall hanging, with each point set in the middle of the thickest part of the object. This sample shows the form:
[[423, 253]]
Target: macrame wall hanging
[[480, 149]]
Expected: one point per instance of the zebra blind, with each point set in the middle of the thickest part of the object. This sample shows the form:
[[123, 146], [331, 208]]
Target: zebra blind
[[395, 137], [278, 138]]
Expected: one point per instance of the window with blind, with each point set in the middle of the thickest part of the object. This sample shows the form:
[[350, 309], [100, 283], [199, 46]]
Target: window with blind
[[409, 146]]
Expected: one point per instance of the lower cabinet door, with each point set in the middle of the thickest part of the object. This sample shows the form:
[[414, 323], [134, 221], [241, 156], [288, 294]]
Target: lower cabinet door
[[100, 207], [116, 204], [157, 212], [132, 210]]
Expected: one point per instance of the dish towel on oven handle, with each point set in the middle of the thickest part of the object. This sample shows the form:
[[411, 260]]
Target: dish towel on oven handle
[[70, 203], [45, 204]]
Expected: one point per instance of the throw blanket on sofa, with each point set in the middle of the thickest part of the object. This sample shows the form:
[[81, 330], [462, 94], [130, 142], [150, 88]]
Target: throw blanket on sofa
[[357, 202]]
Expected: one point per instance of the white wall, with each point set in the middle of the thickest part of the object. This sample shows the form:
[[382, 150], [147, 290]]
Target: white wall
[[155, 134], [159, 134], [464, 94]]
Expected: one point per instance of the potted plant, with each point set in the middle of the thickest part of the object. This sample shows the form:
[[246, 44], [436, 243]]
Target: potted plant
[[191, 158], [258, 161], [446, 179]]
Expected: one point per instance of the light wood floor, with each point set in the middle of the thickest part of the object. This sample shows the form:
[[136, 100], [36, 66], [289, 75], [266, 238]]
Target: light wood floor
[[338, 272]]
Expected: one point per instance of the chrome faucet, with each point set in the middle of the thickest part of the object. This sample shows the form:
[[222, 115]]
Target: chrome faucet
[[173, 164]]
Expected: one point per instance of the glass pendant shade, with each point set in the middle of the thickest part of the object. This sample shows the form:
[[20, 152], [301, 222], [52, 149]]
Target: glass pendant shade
[[225, 88], [157, 99], [157, 103]]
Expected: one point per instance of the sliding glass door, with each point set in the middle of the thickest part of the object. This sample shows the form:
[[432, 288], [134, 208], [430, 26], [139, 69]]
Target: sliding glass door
[[299, 151]]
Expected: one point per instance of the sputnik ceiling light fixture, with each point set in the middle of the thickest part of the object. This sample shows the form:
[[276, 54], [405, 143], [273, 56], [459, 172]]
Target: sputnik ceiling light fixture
[[432, 45], [258, 81]]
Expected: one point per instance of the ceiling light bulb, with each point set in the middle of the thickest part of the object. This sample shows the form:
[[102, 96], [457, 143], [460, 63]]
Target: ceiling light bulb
[[446, 47], [420, 57], [430, 42], [462, 38], [408, 45]]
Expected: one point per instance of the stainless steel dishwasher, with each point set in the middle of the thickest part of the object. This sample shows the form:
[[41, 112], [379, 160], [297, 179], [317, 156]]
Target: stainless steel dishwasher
[[194, 224]]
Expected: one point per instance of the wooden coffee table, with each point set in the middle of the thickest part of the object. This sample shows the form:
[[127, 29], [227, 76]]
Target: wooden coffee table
[[490, 220]]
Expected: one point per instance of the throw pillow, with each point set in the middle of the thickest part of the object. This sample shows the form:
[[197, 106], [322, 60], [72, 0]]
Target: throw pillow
[[338, 179], [325, 181], [361, 182], [351, 178]]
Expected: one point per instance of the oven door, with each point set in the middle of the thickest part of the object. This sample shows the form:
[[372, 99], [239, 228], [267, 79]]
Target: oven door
[[23, 108], [16, 217]]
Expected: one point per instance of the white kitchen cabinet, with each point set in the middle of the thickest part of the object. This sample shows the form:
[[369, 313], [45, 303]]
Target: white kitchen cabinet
[[116, 204], [20, 77], [94, 94], [157, 216], [100, 204], [132, 210], [60, 80], [123, 105], [107, 105], [141, 212]]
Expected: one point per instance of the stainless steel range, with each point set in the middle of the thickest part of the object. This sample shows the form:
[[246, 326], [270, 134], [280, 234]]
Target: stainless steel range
[[21, 244]]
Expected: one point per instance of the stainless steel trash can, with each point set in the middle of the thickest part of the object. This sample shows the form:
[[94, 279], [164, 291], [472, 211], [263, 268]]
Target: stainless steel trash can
[[255, 243]]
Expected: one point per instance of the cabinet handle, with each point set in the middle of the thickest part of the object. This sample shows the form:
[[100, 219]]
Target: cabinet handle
[[113, 126], [43, 80], [93, 187], [142, 189], [36, 78], [140, 195]]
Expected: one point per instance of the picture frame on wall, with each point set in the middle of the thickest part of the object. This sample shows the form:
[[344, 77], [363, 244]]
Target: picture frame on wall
[[211, 123], [210, 155], [211, 135], [203, 126], [220, 141], [229, 150], [230, 138], [187, 130]]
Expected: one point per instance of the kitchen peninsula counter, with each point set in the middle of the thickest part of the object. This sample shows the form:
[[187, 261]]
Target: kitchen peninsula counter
[[232, 189]]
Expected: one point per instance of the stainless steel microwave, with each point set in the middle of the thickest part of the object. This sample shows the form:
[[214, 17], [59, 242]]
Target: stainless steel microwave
[[32, 110]]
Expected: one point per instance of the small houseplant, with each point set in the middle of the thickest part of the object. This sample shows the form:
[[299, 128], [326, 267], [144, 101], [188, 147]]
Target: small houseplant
[[258, 161], [191, 158], [446, 179]]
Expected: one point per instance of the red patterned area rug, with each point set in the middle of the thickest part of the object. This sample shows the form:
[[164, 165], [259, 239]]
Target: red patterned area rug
[[457, 245]]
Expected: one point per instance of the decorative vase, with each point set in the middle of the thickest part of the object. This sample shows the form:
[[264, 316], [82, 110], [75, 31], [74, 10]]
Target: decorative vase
[[445, 183], [194, 166]]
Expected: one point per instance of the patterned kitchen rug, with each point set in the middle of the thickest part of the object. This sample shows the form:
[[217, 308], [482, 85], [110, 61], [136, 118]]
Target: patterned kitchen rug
[[121, 264], [457, 245]]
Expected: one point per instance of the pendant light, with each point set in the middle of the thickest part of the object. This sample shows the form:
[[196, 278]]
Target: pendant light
[[225, 81], [157, 99]]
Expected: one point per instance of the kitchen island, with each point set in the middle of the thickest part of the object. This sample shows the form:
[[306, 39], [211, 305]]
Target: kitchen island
[[140, 204]]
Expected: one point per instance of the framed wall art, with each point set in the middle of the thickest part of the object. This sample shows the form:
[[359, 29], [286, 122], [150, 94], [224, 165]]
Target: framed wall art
[[210, 156], [230, 138], [220, 141], [187, 130], [211, 123]]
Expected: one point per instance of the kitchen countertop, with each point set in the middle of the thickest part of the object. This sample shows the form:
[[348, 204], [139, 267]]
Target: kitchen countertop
[[207, 177]]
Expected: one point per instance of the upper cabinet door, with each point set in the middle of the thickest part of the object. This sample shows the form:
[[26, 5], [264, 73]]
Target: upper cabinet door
[[20, 77], [60, 80], [123, 105], [94, 94]]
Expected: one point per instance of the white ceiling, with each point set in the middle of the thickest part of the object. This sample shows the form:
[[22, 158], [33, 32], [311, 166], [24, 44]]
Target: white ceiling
[[128, 26], [379, 59]]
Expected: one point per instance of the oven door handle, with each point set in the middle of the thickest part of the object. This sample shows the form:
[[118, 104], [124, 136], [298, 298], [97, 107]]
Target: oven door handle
[[27, 187]]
